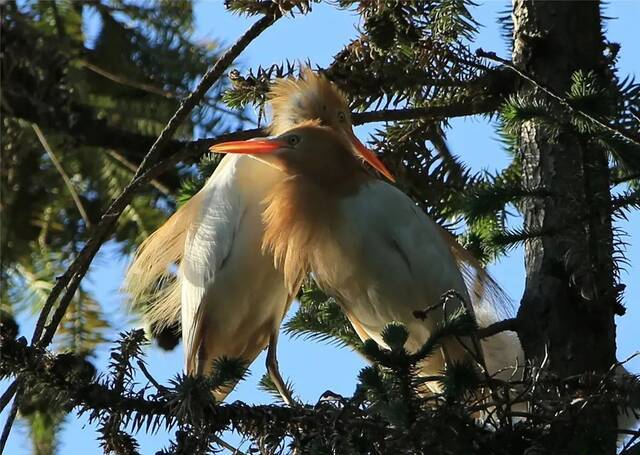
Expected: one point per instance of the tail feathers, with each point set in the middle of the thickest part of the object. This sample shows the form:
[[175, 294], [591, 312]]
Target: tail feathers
[[503, 353], [162, 309], [193, 337], [629, 417], [481, 285], [149, 281]]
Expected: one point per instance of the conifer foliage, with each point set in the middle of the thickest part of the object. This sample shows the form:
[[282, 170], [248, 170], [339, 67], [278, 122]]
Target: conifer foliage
[[80, 121]]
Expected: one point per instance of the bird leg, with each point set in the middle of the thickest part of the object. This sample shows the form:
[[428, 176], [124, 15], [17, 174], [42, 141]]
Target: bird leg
[[274, 372]]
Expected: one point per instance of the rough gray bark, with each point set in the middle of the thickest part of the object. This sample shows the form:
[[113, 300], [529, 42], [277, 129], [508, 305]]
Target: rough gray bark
[[568, 303]]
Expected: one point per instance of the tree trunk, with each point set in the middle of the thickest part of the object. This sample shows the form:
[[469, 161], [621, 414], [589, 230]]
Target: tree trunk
[[567, 311]]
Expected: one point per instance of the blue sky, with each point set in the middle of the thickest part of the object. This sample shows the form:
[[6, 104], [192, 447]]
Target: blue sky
[[315, 367]]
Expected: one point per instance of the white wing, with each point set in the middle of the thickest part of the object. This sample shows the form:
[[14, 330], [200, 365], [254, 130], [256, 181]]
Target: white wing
[[224, 276], [405, 244], [389, 260], [208, 244], [417, 266]]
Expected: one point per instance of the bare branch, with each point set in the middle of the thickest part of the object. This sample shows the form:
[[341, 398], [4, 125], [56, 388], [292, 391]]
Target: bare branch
[[497, 327], [455, 109], [9, 422], [40, 363], [123, 80], [188, 150], [123, 161], [233, 450], [63, 174], [7, 395]]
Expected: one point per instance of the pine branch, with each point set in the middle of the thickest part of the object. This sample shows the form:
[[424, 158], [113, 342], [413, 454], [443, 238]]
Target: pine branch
[[437, 112], [267, 385], [91, 131], [100, 398], [564, 102], [625, 178], [384, 408], [626, 201], [190, 150]]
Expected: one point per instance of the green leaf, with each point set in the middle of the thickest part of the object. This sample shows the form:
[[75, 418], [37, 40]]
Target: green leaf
[[395, 335]]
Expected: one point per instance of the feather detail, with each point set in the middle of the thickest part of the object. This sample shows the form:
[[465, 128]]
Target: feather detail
[[287, 236], [293, 218], [481, 285], [149, 280], [294, 101]]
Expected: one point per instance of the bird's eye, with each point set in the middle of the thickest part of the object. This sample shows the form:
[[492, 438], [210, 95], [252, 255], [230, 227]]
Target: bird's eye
[[293, 140], [342, 117]]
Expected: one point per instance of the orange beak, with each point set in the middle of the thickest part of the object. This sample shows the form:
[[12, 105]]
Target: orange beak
[[253, 147], [263, 146], [371, 158]]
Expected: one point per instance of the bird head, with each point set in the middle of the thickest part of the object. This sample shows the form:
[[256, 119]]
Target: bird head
[[310, 150], [314, 97]]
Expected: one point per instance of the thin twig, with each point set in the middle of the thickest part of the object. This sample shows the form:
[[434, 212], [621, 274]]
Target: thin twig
[[6, 430], [234, 450], [63, 174], [155, 90], [434, 112], [8, 395], [120, 159], [484, 406], [631, 447], [123, 80], [616, 132], [150, 378], [510, 324]]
